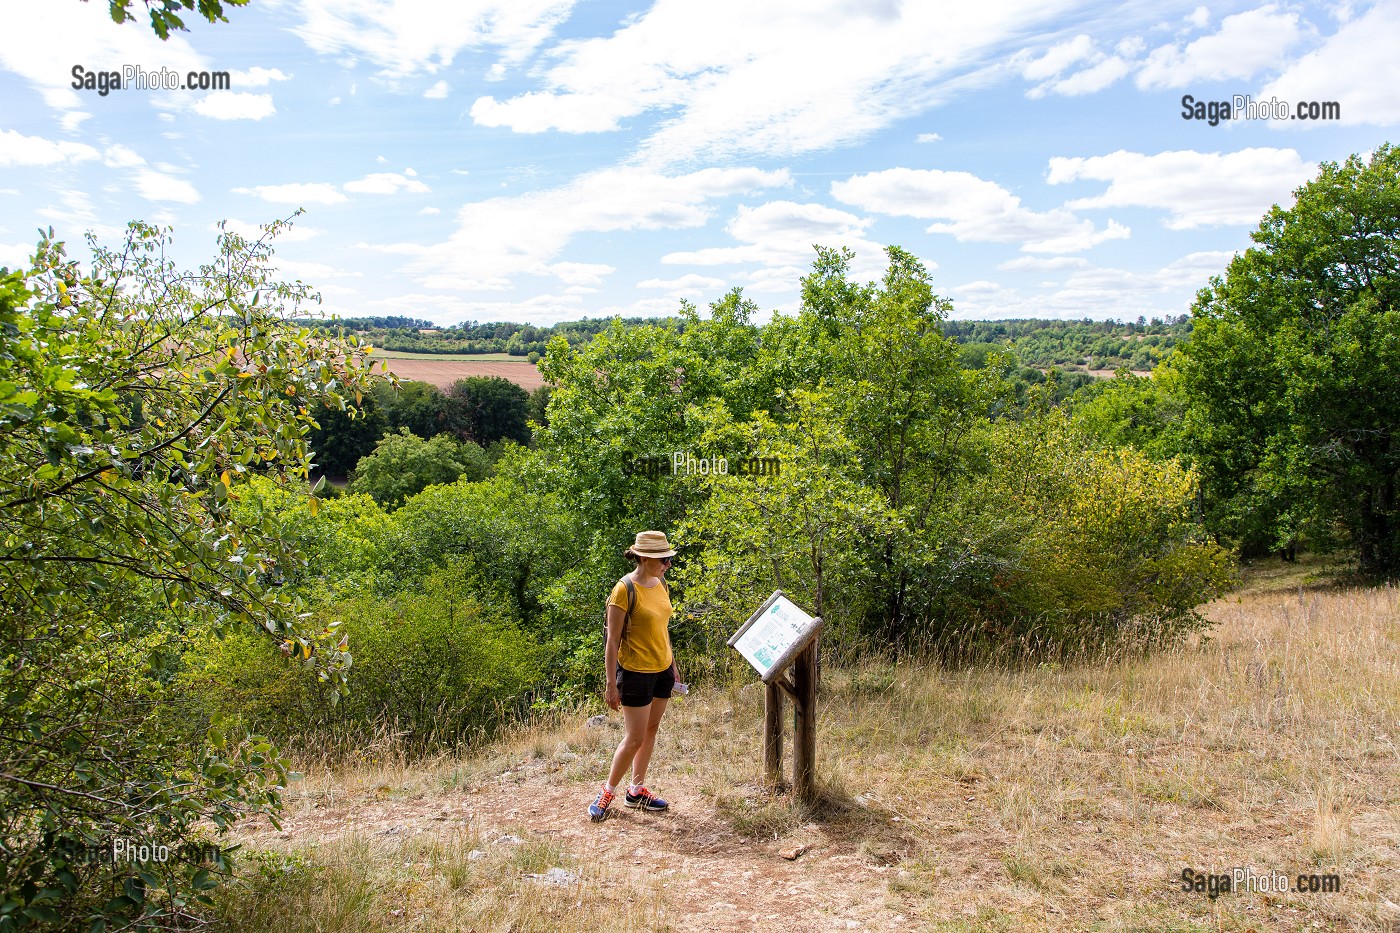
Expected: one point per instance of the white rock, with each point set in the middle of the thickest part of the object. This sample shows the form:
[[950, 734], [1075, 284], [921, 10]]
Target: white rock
[[556, 876]]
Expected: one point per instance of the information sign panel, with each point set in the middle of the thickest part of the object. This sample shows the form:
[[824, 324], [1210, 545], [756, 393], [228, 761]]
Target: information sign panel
[[774, 635]]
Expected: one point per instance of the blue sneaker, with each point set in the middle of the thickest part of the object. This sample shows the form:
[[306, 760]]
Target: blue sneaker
[[598, 809], [646, 800]]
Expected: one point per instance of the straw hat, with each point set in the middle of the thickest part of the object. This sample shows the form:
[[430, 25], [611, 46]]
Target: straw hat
[[650, 544]]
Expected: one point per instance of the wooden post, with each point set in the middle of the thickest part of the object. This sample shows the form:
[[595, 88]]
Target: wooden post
[[773, 735], [804, 740]]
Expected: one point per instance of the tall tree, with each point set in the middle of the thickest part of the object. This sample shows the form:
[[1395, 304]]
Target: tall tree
[[1293, 405], [494, 409], [909, 404]]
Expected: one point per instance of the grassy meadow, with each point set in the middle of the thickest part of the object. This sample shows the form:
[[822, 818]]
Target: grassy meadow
[[1064, 796]]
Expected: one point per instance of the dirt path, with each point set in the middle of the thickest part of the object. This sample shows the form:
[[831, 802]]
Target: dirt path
[[712, 877]]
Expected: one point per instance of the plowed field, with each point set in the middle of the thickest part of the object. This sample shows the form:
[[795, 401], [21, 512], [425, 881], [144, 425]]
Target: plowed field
[[442, 373]]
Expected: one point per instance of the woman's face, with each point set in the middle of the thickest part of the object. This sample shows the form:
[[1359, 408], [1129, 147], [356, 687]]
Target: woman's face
[[656, 566]]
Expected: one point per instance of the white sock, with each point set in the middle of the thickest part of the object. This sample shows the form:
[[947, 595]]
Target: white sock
[[609, 788], [635, 787]]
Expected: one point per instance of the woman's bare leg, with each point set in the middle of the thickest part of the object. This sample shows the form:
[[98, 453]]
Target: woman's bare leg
[[642, 757], [637, 721]]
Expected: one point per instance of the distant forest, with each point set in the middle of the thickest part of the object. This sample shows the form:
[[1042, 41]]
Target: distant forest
[[1042, 344]]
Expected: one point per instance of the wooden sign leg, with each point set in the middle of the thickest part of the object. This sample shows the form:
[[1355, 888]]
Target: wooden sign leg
[[773, 735], [804, 740]]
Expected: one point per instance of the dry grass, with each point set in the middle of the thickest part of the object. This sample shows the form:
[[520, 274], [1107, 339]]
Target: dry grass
[[1059, 797]]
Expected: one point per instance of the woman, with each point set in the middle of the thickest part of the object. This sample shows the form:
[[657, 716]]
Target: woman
[[640, 670]]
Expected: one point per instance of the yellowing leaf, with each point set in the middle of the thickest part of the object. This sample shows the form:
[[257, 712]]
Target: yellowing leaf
[[226, 479]]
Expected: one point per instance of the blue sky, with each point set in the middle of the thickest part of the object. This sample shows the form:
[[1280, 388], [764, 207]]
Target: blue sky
[[546, 160]]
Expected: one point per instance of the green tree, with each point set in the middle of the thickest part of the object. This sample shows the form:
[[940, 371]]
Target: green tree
[[801, 526], [910, 406], [1292, 405], [341, 437], [495, 409], [424, 410], [1130, 410], [539, 406], [403, 465], [133, 399]]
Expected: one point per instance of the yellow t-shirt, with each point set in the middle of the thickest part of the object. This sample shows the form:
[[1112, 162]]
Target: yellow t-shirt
[[646, 642]]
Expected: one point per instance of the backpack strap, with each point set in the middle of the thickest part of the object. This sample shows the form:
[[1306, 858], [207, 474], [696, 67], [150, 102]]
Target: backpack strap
[[631, 604]]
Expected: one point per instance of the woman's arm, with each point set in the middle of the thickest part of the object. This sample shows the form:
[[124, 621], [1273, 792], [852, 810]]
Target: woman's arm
[[616, 618]]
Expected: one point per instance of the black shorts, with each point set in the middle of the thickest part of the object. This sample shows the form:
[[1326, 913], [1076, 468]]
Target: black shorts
[[640, 689]]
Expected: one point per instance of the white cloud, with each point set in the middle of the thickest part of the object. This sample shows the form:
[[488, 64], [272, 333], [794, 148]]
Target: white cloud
[[648, 307], [395, 249], [18, 149], [581, 273], [971, 208], [1042, 263], [782, 233], [430, 211], [234, 105], [505, 236], [1131, 47], [16, 255], [927, 138], [1351, 67], [1056, 58], [309, 193], [1199, 17], [779, 279], [119, 156], [1096, 292], [687, 286], [460, 283], [438, 91], [1246, 44], [403, 38], [1097, 70], [85, 35], [442, 309], [1195, 188], [257, 77], [159, 186], [71, 120], [386, 183], [311, 271], [538, 112], [1091, 80], [733, 77]]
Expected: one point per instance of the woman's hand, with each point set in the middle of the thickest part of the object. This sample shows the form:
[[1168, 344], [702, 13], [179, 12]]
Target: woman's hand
[[612, 698]]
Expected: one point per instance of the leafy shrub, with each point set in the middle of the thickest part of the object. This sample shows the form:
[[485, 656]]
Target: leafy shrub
[[437, 664], [1089, 541], [404, 464]]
